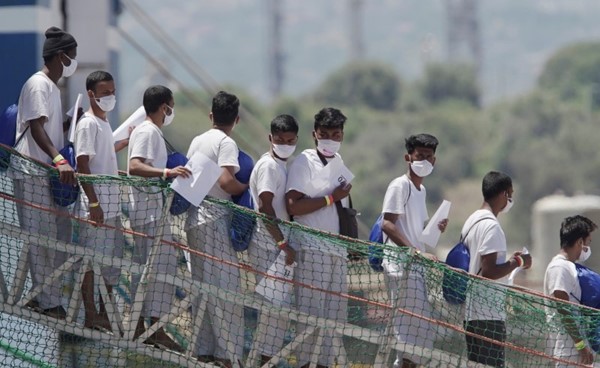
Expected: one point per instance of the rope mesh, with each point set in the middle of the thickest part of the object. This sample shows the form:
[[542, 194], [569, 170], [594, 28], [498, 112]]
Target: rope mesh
[[167, 289]]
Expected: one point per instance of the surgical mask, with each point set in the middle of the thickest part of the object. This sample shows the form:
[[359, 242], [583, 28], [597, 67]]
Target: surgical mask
[[106, 103], [586, 252], [421, 168], [509, 203], [69, 70], [169, 118], [328, 147], [283, 151]]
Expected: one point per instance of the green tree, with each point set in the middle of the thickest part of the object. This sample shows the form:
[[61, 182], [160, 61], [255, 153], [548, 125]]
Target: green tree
[[370, 84], [443, 82], [574, 73]]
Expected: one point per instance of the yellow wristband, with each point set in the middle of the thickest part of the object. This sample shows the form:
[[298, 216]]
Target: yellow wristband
[[94, 204], [58, 157], [580, 345], [329, 200], [282, 244]]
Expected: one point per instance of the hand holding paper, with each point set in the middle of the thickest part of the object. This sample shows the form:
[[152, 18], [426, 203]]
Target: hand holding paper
[[205, 174], [335, 171], [431, 233], [135, 119], [511, 277]]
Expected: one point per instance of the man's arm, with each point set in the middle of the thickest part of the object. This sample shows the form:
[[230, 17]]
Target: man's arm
[[139, 167], [493, 271], [96, 212], [266, 207], [586, 356], [389, 228], [65, 171], [228, 182], [298, 204]]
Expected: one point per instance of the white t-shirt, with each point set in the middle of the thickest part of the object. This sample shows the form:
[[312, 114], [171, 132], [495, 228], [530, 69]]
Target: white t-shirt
[[270, 175], [221, 149], [39, 97], [301, 172], [146, 142], [561, 275], [93, 138], [405, 200], [483, 238]]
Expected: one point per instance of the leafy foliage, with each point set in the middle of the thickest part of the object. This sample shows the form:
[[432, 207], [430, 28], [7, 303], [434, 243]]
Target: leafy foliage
[[444, 82]]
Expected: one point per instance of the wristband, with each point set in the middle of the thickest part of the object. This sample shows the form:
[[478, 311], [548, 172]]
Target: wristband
[[282, 244], [520, 261], [94, 204], [165, 174], [61, 162], [57, 159], [580, 345], [329, 200]]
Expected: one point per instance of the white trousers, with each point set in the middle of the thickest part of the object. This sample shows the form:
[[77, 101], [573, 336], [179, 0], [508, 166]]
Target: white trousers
[[159, 295], [43, 261], [222, 328], [328, 272], [270, 340], [106, 241], [407, 328]]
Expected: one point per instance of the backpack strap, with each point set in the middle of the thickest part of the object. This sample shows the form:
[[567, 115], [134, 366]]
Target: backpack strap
[[462, 238], [21, 137]]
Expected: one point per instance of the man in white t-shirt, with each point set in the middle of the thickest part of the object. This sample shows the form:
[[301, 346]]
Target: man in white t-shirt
[[561, 282], [404, 218], [321, 263], [208, 229], [40, 135], [267, 187], [485, 306], [148, 158], [101, 204]]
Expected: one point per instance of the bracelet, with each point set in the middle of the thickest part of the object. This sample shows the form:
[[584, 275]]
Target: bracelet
[[61, 162], [94, 204], [165, 174], [329, 200], [282, 244], [57, 159], [520, 261], [580, 345]]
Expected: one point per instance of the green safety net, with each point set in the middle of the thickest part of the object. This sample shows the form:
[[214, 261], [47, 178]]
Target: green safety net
[[172, 290]]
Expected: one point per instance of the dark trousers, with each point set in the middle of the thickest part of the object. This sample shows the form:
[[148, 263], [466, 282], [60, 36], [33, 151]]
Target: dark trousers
[[482, 351]]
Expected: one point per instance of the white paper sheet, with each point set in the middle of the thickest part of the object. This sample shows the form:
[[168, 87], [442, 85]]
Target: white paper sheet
[[335, 171], [277, 291], [431, 233], [73, 112], [135, 119], [511, 277], [205, 174]]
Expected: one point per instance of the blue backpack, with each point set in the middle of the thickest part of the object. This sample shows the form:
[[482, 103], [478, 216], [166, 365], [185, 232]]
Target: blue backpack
[[64, 194], [179, 204], [376, 236], [242, 224], [589, 281], [454, 284], [8, 131]]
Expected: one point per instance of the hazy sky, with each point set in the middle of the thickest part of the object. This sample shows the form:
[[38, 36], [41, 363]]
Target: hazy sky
[[228, 38]]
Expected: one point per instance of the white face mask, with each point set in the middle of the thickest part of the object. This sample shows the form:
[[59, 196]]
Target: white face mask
[[283, 151], [586, 252], [169, 118], [509, 203], [328, 147], [69, 70], [106, 103], [421, 168]]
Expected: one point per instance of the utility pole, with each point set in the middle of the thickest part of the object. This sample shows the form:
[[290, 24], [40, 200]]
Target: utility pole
[[275, 52], [357, 45], [463, 34]]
